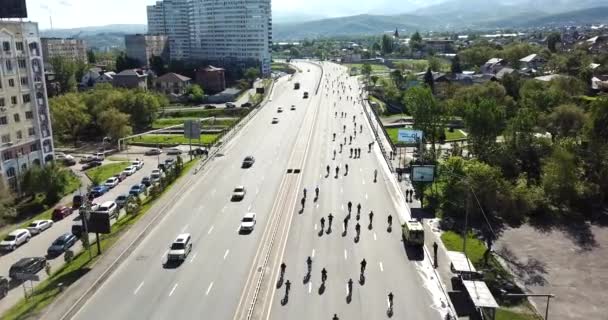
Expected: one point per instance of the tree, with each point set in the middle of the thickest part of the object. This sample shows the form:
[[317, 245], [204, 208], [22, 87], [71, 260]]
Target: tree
[[7, 208], [429, 115], [566, 121], [560, 178], [366, 70], [69, 115], [512, 83], [376, 47], [123, 62], [195, 93], [65, 73], [143, 108], [416, 42], [387, 44], [295, 52], [435, 64], [484, 121], [397, 78], [374, 79], [157, 64], [251, 74], [50, 180], [476, 56], [114, 123], [552, 40], [597, 126], [456, 68], [91, 57], [390, 91], [429, 80]]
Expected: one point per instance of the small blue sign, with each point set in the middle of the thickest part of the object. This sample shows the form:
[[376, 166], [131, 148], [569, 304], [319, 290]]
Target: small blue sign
[[409, 136]]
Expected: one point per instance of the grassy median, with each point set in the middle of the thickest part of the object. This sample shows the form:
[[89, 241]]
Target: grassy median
[[49, 289], [449, 136], [173, 139], [102, 173]]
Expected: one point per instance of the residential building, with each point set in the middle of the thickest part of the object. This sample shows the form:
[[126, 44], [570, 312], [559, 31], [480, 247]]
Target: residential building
[[131, 79], [533, 61], [172, 83], [211, 79], [493, 66], [173, 18], [72, 49], [143, 46], [439, 46], [26, 137]]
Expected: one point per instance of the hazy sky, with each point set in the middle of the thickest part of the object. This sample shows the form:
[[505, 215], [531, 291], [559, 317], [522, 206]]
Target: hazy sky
[[80, 13]]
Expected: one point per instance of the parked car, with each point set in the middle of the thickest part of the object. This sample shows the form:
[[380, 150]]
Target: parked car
[[109, 207], [77, 201], [180, 248], [61, 212], [275, 120], [248, 162], [122, 200], [238, 193], [4, 286], [146, 181], [86, 159], [112, 182], [98, 191], [305, 95], [99, 156], [15, 239], [31, 265], [174, 151], [230, 105], [91, 164], [121, 176], [61, 244], [209, 106], [198, 151], [37, 226], [155, 175], [293, 108], [248, 222], [137, 189], [246, 105], [138, 164], [279, 109], [77, 230], [153, 152], [69, 162], [129, 170]]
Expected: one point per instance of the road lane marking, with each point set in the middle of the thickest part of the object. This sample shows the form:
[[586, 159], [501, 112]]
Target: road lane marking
[[224, 209], [381, 267], [375, 236], [363, 181], [238, 228], [309, 287], [226, 254], [366, 196], [193, 257], [210, 230], [345, 255], [315, 226], [184, 228], [347, 289], [249, 208], [313, 253], [342, 207], [138, 287], [173, 290], [164, 254], [341, 190], [209, 289]]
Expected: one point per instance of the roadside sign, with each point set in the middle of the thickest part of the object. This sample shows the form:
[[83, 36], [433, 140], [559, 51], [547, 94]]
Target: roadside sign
[[27, 276], [423, 173], [192, 129], [409, 136]]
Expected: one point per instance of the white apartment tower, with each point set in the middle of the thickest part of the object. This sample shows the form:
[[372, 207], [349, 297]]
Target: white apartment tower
[[172, 18], [219, 30], [25, 127]]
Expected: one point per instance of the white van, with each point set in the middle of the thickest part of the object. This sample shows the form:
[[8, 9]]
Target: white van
[[108, 207]]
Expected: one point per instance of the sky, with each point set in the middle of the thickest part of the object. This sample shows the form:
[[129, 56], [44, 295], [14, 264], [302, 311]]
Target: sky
[[82, 13]]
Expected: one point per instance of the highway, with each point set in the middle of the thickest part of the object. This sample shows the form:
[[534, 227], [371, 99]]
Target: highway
[[231, 275]]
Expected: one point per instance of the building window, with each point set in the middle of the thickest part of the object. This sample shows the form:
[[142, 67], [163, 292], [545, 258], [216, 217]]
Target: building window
[[2, 102], [14, 100], [6, 46], [24, 81], [7, 155], [6, 138], [19, 46], [9, 66], [11, 82], [31, 131], [29, 115], [22, 64], [34, 147], [19, 135], [26, 98], [3, 120], [17, 117]]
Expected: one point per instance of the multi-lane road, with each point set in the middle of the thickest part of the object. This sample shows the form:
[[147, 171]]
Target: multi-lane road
[[233, 275]]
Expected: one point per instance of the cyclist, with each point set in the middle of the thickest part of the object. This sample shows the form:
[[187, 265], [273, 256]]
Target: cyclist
[[350, 205], [359, 208], [334, 137], [327, 169], [304, 193], [390, 220], [390, 300], [375, 174], [337, 170], [322, 221], [346, 167], [371, 216], [309, 262], [317, 191], [323, 275], [283, 267]]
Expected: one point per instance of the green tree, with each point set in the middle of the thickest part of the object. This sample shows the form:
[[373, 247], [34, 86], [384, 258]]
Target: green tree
[[597, 125], [7, 208], [69, 116], [552, 40], [387, 44], [484, 121], [512, 83], [91, 57], [429, 115], [416, 42], [456, 68], [143, 108], [374, 79], [65, 73], [429, 80], [560, 178], [251, 74], [157, 64], [435, 64], [114, 123], [195, 93], [366, 70], [397, 78], [566, 121], [123, 62], [50, 180], [295, 53], [390, 91], [476, 56]]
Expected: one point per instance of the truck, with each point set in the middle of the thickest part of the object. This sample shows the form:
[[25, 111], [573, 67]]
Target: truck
[[413, 233], [296, 86]]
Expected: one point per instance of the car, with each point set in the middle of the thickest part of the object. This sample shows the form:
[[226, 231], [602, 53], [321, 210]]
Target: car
[[61, 244], [246, 105], [121, 176], [111, 182], [275, 120], [305, 95], [293, 108], [15, 239], [77, 230], [138, 164], [146, 181], [209, 106], [137, 189], [174, 151], [59, 155], [129, 170], [99, 156], [238, 193], [122, 200], [248, 222], [109, 207], [98, 191], [230, 105], [61, 212], [155, 175], [86, 159], [31, 265], [180, 248], [198, 151], [77, 201], [153, 152], [69, 162], [279, 110], [248, 162], [37, 226], [4, 286], [91, 164], [169, 163]]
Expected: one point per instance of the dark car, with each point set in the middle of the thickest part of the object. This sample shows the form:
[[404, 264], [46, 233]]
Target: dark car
[[137, 189], [69, 162], [248, 162], [3, 287], [198, 152], [92, 164], [77, 201], [122, 200], [77, 230], [61, 244], [30, 265], [61, 212], [98, 191], [209, 106], [246, 105], [305, 95], [146, 181], [121, 176], [169, 163]]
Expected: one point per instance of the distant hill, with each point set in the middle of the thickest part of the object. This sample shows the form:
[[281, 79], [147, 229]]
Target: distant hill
[[109, 36], [586, 16]]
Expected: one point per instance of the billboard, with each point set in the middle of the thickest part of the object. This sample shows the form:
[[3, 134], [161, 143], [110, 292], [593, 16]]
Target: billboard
[[409, 136], [99, 222], [423, 173], [13, 9], [192, 129]]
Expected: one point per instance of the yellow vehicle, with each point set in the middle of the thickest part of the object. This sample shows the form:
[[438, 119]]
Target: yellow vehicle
[[413, 233]]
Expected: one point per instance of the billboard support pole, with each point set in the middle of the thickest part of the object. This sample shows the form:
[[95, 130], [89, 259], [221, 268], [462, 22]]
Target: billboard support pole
[[98, 244]]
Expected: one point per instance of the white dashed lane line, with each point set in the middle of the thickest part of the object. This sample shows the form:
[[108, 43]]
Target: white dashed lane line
[[381, 266], [209, 288], [138, 287], [345, 255], [173, 290], [226, 253], [210, 230]]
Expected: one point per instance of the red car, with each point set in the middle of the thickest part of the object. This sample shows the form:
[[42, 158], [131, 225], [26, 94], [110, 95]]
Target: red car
[[121, 176], [61, 212]]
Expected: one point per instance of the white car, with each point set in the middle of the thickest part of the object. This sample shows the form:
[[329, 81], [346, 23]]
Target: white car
[[15, 239], [156, 175], [138, 164], [63, 156], [129, 170], [238, 193], [180, 248], [37, 226], [174, 151], [112, 182], [99, 156], [248, 222]]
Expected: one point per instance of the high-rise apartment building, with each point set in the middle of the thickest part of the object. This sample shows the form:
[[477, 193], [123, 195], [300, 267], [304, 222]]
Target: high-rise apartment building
[[143, 46], [73, 49], [218, 31], [25, 127]]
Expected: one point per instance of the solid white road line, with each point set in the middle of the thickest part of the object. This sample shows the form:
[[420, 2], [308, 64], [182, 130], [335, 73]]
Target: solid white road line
[[164, 255], [226, 254], [363, 181], [381, 266], [345, 255], [209, 289], [138, 287], [313, 253], [315, 227], [375, 236], [210, 230], [366, 196], [193, 257], [342, 207], [249, 208], [341, 190], [173, 290], [309, 287], [347, 288]]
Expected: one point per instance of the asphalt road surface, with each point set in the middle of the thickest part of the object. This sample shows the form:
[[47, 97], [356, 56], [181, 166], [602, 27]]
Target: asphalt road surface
[[233, 275]]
